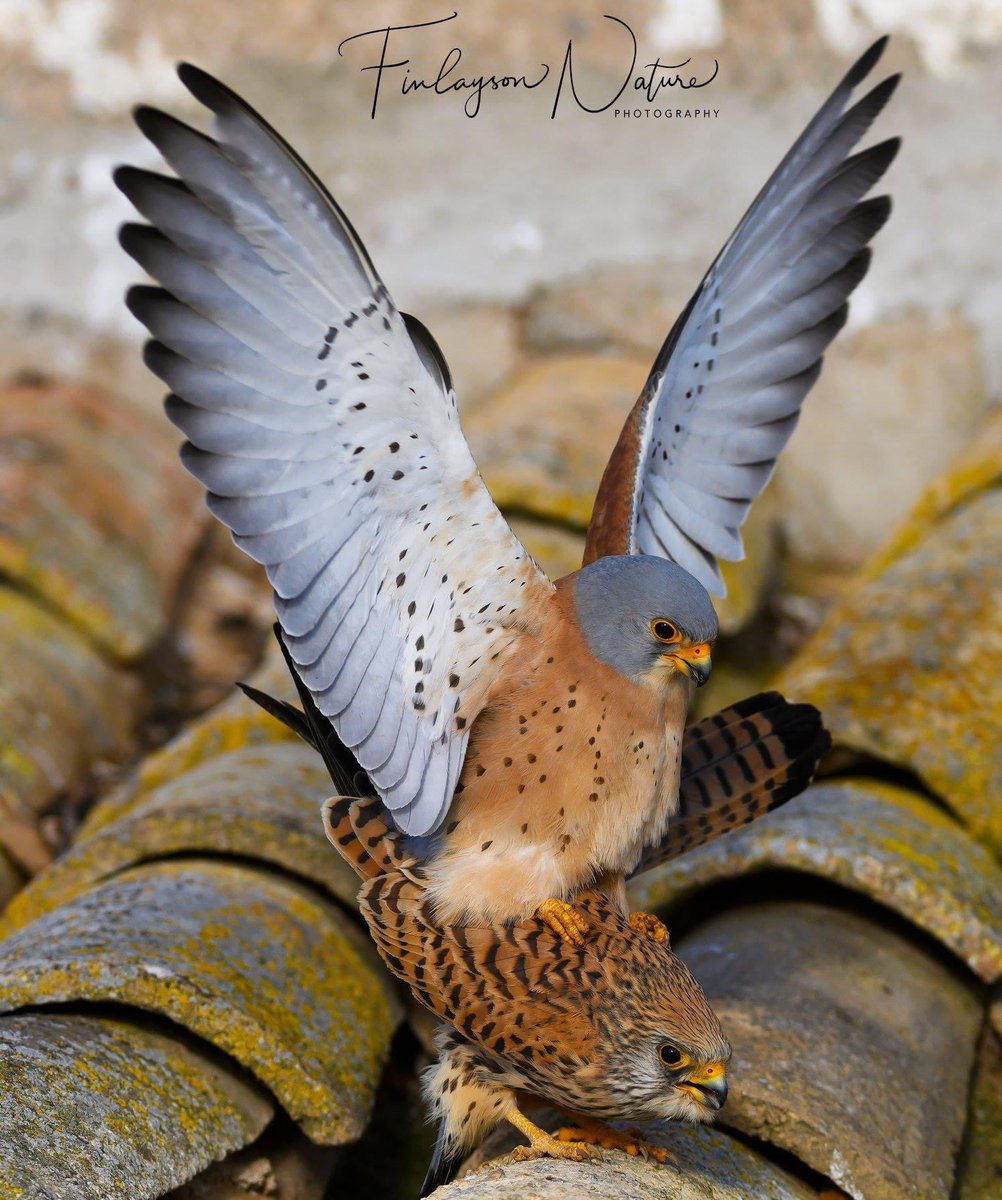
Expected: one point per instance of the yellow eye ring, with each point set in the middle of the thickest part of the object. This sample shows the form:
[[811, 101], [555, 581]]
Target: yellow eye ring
[[671, 1055], [664, 630]]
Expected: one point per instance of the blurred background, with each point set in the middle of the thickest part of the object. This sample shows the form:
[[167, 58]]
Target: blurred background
[[550, 257]]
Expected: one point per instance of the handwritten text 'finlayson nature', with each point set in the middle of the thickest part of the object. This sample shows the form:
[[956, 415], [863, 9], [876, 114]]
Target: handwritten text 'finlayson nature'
[[653, 79]]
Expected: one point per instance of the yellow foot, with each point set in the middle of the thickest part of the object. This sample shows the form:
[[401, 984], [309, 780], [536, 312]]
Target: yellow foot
[[544, 1145], [564, 919], [649, 924], [549, 1147], [630, 1141]]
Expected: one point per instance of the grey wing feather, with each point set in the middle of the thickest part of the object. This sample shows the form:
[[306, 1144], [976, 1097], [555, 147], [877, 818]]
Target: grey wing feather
[[725, 392], [322, 423]]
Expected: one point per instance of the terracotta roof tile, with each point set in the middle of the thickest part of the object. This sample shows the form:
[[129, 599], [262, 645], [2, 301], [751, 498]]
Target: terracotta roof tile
[[97, 529], [884, 841], [97, 1107], [261, 802], [852, 1046], [254, 963]]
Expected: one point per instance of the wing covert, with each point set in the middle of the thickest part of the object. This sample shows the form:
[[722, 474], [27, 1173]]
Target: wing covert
[[322, 423]]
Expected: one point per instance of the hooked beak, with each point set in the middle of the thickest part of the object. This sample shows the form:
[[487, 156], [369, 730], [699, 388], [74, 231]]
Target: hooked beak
[[694, 661], [708, 1085]]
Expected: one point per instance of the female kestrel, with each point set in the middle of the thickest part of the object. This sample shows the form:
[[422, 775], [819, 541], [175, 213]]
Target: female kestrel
[[616, 1029], [529, 732]]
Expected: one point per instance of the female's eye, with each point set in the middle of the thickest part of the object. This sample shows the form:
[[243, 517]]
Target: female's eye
[[663, 630], [670, 1055]]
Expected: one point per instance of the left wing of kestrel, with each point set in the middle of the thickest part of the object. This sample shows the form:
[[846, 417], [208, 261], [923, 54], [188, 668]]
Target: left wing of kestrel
[[725, 391], [323, 424]]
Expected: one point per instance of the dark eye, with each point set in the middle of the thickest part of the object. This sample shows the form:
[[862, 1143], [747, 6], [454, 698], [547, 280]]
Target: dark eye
[[670, 1055], [664, 630]]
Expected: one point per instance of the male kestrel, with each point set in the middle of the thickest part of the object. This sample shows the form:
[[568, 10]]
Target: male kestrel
[[530, 733], [737, 765]]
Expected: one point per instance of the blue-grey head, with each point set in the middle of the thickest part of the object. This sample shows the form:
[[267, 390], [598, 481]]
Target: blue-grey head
[[646, 617]]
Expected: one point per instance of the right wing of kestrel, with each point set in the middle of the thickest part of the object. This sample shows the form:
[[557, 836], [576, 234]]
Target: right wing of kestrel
[[323, 424], [725, 391], [737, 765]]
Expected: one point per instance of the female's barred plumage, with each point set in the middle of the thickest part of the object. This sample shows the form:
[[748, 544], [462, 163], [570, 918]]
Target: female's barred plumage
[[578, 1026]]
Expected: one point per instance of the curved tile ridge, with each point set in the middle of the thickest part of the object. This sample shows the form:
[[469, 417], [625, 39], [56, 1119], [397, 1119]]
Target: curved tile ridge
[[260, 967], [282, 1164], [52, 679], [980, 1171], [10, 879], [114, 1108], [977, 468], [231, 725], [907, 664], [874, 838], [706, 1165], [100, 532], [261, 802], [852, 1046]]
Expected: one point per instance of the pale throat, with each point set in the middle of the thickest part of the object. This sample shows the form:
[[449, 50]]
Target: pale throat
[[673, 686]]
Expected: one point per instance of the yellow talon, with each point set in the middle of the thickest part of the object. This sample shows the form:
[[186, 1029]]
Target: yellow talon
[[630, 1141], [565, 921], [650, 925], [542, 1144]]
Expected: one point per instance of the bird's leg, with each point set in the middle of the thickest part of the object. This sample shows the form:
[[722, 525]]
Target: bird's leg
[[649, 925], [597, 1133], [564, 919], [544, 1145]]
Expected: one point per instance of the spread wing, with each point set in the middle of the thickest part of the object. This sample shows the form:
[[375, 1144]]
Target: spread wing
[[725, 391], [323, 425]]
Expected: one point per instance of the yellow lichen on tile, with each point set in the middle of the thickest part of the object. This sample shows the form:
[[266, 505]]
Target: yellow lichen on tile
[[979, 467], [906, 665], [262, 968], [98, 532], [158, 1104], [892, 845], [62, 707], [258, 803]]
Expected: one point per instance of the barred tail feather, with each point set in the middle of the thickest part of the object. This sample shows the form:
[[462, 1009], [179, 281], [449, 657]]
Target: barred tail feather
[[738, 765]]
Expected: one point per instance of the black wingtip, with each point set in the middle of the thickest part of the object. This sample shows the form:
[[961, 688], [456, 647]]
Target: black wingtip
[[132, 236], [341, 763], [143, 299], [890, 148], [210, 91], [203, 86], [145, 118], [891, 83], [866, 62], [122, 176], [281, 711]]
